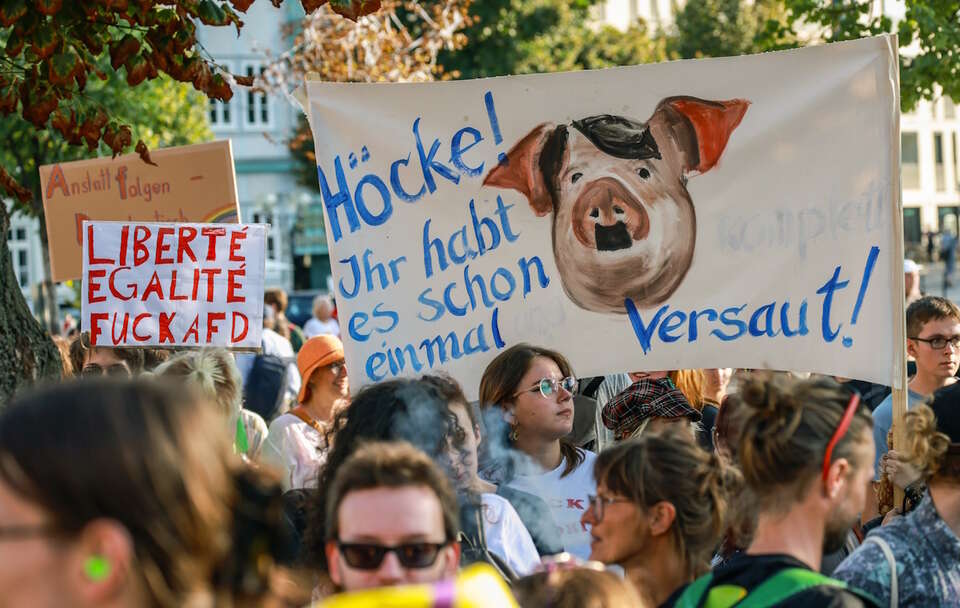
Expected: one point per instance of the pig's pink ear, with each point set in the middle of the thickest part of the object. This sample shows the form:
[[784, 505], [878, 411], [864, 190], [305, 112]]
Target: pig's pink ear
[[521, 171], [713, 122]]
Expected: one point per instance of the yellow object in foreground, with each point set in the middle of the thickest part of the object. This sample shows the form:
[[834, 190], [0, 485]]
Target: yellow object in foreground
[[479, 585]]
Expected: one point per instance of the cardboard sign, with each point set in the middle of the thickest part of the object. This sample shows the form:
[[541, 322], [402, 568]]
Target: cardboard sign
[[189, 184], [173, 285], [735, 212]]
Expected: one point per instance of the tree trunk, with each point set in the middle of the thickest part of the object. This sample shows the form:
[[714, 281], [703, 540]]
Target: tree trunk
[[51, 303], [26, 351]]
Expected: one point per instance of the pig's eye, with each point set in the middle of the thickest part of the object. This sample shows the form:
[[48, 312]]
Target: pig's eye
[[575, 177], [643, 172]]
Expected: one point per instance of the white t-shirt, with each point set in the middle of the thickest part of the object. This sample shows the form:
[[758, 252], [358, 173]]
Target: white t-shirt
[[316, 327], [506, 535], [296, 449], [567, 499]]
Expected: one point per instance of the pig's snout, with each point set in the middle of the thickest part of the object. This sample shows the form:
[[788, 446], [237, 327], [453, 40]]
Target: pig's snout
[[607, 217]]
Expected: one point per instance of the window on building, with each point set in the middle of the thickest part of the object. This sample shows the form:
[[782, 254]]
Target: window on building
[[22, 267], [221, 114], [938, 166], [258, 104], [911, 224], [21, 234], [947, 216], [956, 160], [909, 161], [270, 248]]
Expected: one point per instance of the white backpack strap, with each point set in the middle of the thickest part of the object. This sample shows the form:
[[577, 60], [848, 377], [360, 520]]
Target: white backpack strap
[[892, 562]]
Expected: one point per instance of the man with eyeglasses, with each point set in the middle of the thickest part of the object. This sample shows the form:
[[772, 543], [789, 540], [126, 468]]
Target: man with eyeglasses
[[933, 340], [392, 519], [90, 360]]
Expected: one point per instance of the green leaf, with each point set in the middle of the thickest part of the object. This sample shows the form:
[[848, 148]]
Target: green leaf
[[211, 13]]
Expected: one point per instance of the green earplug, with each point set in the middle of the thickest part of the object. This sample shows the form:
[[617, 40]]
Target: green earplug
[[96, 568]]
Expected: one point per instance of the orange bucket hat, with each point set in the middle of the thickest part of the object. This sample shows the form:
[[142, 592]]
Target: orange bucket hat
[[317, 352]]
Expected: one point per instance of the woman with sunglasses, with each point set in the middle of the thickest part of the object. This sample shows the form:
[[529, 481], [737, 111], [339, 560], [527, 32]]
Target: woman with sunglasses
[[296, 443], [805, 449], [532, 388]]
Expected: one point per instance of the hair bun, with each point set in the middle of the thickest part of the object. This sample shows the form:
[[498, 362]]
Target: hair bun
[[771, 403], [927, 444]]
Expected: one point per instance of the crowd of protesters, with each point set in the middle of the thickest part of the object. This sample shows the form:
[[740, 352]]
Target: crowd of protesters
[[204, 478]]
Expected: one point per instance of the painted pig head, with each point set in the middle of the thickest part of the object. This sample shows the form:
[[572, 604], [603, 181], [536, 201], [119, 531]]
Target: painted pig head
[[623, 222]]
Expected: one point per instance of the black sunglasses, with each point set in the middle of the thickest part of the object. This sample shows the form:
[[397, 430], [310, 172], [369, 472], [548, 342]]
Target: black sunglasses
[[366, 556]]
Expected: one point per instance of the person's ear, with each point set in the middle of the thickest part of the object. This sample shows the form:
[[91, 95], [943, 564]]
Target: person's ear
[[836, 477], [477, 434], [333, 563], [662, 515], [510, 416], [452, 563], [101, 562], [912, 348]]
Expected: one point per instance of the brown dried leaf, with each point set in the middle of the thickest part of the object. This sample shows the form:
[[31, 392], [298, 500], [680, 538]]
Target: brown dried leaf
[[311, 5], [246, 81], [121, 51], [8, 96], [38, 104], [48, 7], [144, 153], [353, 9], [219, 88], [137, 70], [91, 127], [13, 188]]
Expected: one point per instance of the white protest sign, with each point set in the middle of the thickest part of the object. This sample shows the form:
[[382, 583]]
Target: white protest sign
[[173, 285], [736, 212]]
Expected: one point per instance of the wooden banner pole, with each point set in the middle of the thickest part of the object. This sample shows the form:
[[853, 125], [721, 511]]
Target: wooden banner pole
[[899, 368]]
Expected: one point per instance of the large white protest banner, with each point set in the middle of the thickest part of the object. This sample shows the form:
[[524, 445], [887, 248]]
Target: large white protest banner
[[173, 285], [737, 212]]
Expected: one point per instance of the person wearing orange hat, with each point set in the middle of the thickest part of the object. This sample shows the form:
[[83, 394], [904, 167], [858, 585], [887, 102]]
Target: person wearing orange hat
[[296, 442]]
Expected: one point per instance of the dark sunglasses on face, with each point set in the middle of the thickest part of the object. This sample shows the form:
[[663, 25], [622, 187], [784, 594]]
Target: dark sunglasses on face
[[550, 386], [367, 556], [117, 369], [336, 368]]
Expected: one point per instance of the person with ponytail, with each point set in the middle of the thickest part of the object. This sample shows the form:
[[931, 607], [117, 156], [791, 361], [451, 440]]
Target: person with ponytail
[[659, 511], [125, 494], [915, 559], [213, 374], [531, 388], [805, 449]]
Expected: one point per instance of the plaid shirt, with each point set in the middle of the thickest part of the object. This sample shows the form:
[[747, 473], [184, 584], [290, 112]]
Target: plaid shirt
[[645, 399]]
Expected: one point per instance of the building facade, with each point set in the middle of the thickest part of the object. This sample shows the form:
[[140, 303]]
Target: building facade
[[260, 126]]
